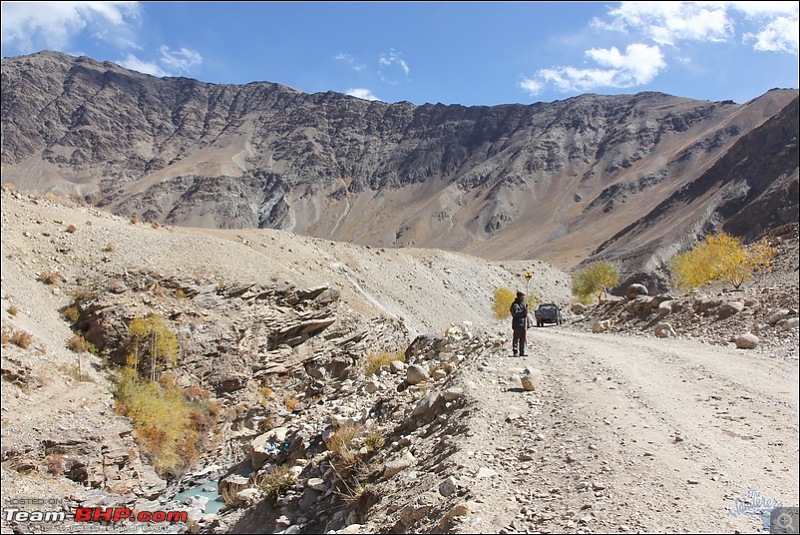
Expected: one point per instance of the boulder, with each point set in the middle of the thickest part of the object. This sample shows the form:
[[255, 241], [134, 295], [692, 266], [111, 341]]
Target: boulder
[[726, 310], [416, 374], [635, 290], [779, 315], [747, 341], [531, 379]]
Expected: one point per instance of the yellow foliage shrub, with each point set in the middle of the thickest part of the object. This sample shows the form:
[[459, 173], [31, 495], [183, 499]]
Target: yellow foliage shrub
[[503, 297], [720, 257], [169, 428]]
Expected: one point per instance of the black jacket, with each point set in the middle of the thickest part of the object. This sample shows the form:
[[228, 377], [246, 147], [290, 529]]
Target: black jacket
[[519, 315]]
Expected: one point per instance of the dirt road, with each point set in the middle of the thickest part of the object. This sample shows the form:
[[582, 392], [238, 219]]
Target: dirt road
[[630, 433]]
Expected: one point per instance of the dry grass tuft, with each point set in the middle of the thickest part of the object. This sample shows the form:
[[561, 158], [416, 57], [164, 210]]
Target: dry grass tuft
[[374, 361], [21, 339], [49, 277], [275, 482]]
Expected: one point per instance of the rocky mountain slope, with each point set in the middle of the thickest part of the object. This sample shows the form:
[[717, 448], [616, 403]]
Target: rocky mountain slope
[[631, 178], [658, 420]]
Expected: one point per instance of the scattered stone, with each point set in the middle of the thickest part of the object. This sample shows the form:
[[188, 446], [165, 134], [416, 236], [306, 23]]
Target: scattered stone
[[531, 379], [484, 472], [316, 483], [416, 374], [779, 315], [789, 324], [461, 509], [452, 394], [372, 386], [635, 290], [448, 487], [747, 341], [396, 466], [351, 529], [665, 330], [247, 496], [729, 309]]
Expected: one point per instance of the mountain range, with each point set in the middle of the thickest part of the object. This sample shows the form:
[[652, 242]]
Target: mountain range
[[628, 178]]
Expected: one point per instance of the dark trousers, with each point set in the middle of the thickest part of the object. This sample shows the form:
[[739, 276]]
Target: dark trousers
[[518, 341]]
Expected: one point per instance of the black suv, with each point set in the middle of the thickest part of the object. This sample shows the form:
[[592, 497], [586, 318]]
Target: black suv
[[548, 313]]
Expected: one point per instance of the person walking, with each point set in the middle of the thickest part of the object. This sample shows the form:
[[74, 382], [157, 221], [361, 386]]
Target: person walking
[[519, 324]]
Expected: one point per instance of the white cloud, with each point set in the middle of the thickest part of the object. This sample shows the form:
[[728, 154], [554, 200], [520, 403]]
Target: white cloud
[[33, 26], [391, 61], [135, 64], [170, 62], [666, 23], [639, 65], [779, 35], [571, 79], [391, 69], [350, 60], [531, 86], [766, 9], [769, 26], [180, 60], [669, 23], [361, 93]]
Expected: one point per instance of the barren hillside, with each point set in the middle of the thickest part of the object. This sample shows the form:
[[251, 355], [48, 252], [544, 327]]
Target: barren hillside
[[558, 182], [616, 430]]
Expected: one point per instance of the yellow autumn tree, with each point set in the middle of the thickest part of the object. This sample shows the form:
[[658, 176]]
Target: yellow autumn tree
[[720, 257], [503, 297], [155, 346]]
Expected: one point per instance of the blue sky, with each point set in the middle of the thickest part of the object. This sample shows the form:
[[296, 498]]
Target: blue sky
[[469, 53]]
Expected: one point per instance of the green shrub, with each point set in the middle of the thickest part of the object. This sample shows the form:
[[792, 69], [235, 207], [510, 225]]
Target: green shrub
[[594, 279], [79, 344]]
